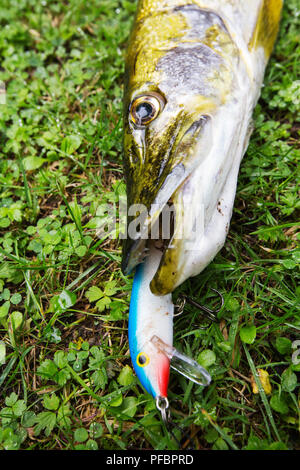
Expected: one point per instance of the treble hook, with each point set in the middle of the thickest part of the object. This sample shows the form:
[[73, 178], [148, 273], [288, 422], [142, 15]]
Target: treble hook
[[210, 313], [162, 405]]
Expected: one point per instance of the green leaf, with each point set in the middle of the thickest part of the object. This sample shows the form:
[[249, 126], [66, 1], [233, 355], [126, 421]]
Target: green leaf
[[248, 334], [47, 369], [129, 406], [51, 402], [81, 435], [80, 447], [96, 430], [4, 222], [66, 300], [15, 214], [28, 419], [99, 378], [289, 263], [211, 435], [71, 356], [203, 419], [77, 366], [31, 230], [6, 416], [256, 443], [5, 294], [8, 272], [126, 376], [60, 359], [97, 353], [16, 320], [33, 163], [94, 293], [81, 250], [45, 421], [288, 380], [220, 444], [12, 399], [283, 345], [82, 355], [16, 299], [116, 401], [225, 346], [62, 377], [12, 443], [4, 309], [233, 304], [207, 358], [103, 303], [70, 144], [19, 407], [63, 414], [279, 404], [116, 311], [91, 445], [85, 346], [277, 446], [110, 288]]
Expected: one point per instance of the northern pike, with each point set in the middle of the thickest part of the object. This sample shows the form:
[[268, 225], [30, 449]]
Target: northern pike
[[194, 71]]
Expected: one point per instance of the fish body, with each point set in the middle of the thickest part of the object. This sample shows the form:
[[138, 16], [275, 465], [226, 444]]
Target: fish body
[[194, 71]]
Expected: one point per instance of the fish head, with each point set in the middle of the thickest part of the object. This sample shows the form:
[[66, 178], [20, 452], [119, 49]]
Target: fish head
[[185, 129]]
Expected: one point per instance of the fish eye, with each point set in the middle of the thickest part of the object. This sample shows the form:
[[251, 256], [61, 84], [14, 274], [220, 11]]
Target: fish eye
[[142, 359], [144, 109]]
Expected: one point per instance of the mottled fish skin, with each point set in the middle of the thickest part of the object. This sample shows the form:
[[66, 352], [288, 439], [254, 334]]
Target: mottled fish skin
[[206, 61]]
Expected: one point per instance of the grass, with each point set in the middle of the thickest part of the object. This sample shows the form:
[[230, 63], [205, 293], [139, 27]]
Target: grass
[[65, 373]]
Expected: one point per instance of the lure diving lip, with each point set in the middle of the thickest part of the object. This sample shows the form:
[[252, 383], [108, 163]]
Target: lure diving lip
[[182, 363]]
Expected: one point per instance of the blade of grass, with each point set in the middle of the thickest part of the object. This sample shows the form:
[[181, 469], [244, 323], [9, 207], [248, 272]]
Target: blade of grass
[[262, 393], [32, 295], [7, 369], [220, 431]]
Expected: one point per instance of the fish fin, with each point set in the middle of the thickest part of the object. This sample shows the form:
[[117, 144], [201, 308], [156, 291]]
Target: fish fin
[[267, 25]]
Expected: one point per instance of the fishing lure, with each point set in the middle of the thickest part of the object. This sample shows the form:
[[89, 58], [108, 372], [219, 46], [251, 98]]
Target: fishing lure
[[194, 71], [150, 333]]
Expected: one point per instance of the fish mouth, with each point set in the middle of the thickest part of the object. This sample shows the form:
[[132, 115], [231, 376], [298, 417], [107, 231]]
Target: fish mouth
[[157, 200], [162, 226], [136, 247]]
